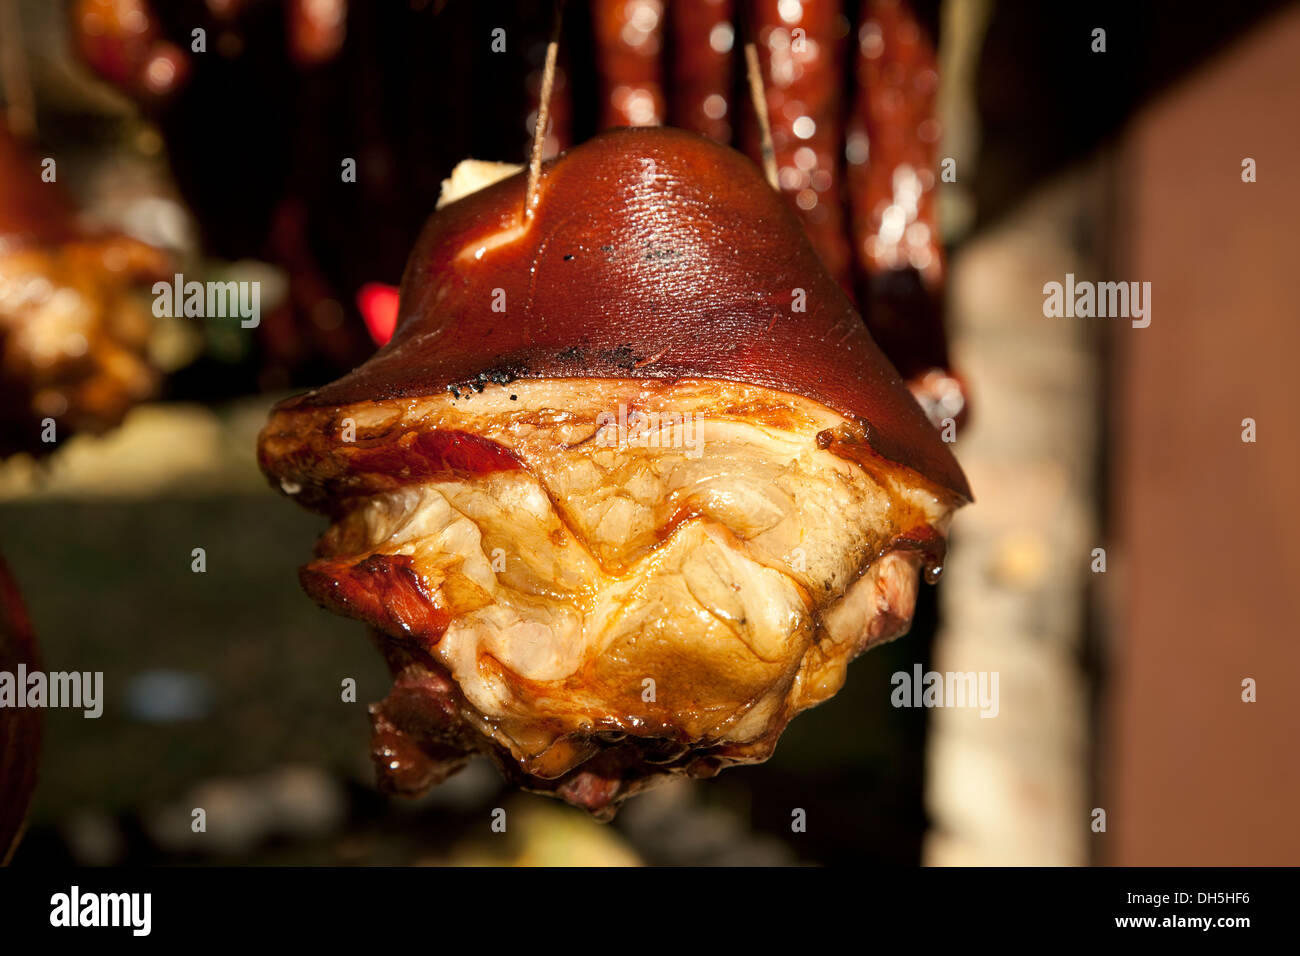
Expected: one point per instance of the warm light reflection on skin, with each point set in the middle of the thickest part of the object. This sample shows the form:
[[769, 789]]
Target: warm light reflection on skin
[[479, 248]]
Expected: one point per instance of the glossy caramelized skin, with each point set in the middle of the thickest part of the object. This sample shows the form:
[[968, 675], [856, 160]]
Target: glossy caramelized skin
[[653, 254], [596, 604]]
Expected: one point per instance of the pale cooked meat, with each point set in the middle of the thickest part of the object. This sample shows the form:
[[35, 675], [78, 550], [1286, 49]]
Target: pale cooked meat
[[692, 587], [74, 342]]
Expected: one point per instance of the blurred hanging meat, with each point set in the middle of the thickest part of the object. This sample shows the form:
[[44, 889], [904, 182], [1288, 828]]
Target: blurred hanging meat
[[892, 152], [74, 318], [629, 46]]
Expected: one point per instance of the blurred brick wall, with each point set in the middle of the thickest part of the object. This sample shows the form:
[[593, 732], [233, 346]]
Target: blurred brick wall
[[1206, 584]]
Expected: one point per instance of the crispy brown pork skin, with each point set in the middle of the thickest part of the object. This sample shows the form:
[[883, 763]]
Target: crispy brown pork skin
[[629, 487]]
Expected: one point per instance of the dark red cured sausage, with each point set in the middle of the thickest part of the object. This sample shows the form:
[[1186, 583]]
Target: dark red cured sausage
[[893, 181], [704, 40], [629, 37], [892, 152], [800, 46]]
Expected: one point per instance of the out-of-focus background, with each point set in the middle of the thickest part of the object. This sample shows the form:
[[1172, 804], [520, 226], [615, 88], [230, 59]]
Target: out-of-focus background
[[1122, 735]]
